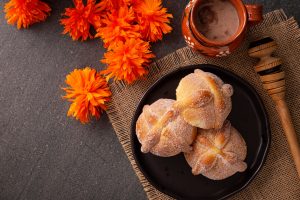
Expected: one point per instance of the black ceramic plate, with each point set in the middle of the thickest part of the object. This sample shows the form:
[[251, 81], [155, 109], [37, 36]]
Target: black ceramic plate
[[173, 175]]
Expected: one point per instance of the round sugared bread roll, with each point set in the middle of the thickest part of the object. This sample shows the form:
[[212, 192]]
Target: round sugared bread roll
[[218, 154], [162, 131], [204, 100]]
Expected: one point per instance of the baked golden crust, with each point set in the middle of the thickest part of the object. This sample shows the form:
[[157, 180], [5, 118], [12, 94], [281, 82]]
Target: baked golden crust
[[203, 100], [218, 154], [162, 131]]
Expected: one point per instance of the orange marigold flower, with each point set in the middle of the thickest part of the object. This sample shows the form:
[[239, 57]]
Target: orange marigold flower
[[80, 19], [88, 91], [26, 12], [131, 2], [113, 4], [118, 26], [153, 19], [127, 60]]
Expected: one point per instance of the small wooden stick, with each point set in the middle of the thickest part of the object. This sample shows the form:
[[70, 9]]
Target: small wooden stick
[[273, 79]]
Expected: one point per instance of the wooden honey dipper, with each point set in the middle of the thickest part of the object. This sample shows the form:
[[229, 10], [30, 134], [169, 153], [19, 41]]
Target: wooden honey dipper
[[273, 79]]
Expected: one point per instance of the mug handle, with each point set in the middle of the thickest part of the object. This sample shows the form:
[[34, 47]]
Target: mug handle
[[255, 13]]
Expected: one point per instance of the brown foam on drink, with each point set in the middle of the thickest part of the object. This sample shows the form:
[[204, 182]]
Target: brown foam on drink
[[217, 20]]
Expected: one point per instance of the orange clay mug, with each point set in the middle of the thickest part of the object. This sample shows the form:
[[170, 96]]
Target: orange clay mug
[[201, 21]]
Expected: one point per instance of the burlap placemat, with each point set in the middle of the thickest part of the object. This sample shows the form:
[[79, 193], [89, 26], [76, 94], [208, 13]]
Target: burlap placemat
[[278, 178]]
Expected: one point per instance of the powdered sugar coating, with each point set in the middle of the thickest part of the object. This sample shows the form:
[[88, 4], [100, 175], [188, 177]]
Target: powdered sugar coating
[[210, 112], [162, 131], [218, 154]]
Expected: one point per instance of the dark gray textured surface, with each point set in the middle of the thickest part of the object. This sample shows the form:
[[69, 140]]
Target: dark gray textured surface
[[44, 154]]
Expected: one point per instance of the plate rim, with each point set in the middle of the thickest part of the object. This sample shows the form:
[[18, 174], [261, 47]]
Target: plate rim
[[198, 66]]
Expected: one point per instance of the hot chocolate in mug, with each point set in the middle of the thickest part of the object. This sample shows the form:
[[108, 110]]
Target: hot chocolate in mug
[[217, 27]]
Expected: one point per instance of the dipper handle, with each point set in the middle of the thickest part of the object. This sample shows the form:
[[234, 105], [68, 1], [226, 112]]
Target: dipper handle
[[289, 130]]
